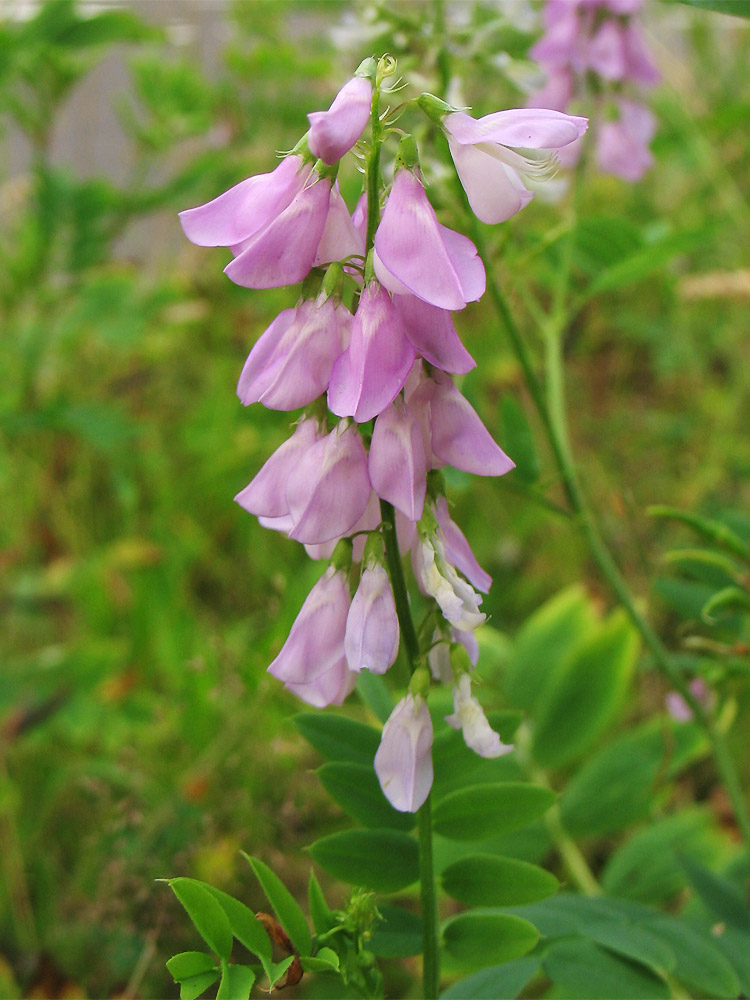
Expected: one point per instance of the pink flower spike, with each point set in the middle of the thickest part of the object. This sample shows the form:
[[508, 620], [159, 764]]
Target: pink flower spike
[[403, 762], [458, 551], [458, 436], [334, 132], [606, 54], [283, 252], [433, 335], [414, 253], [328, 490], [640, 66], [370, 373], [247, 207], [265, 496], [397, 463], [341, 238], [291, 363], [368, 522], [316, 640], [372, 632]]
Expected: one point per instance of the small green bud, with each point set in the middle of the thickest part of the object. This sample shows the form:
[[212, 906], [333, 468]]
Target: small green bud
[[460, 661], [408, 154], [373, 549], [332, 282], [435, 484], [368, 68], [387, 66], [342, 555], [419, 685], [434, 108]]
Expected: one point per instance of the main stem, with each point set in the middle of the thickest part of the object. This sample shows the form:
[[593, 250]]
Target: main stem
[[428, 896]]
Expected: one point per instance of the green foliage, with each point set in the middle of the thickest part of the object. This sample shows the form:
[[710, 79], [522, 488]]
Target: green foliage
[[382, 860], [489, 880], [480, 811], [479, 938]]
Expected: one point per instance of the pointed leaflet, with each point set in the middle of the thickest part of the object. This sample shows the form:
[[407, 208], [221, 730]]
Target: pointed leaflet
[[381, 860], [209, 918], [291, 917]]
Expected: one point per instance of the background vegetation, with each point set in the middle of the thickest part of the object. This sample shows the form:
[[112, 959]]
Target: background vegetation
[[140, 735]]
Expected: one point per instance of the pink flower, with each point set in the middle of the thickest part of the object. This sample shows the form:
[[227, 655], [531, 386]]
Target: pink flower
[[640, 66], [328, 490], [397, 463], [403, 762], [334, 132], [496, 154], [372, 632], [453, 432], [433, 335], [246, 208], [622, 148], [469, 716], [458, 551], [265, 496], [291, 363], [312, 663], [438, 579], [341, 238], [415, 254], [370, 373], [607, 55]]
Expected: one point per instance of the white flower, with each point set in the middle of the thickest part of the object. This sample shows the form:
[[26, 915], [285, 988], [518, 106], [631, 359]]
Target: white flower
[[458, 600], [469, 716]]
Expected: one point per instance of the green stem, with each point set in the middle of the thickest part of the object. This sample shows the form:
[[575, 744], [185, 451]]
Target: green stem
[[428, 896]]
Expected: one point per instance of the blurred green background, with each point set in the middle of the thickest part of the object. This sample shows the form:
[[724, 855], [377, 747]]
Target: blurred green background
[[140, 736]]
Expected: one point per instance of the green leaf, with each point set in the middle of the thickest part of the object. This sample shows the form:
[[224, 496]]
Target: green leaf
[[398, 935], [236, 983], [337, 738], [320, 914], [499, 982], [325, 960], [480, 938], [645, 867], [193, 987], [739, 8], [279, 969], [733, 945], [357, 790], [638, 943], [188, 964], [585, 694], [375, 693], [601, 241], [713, 531], [489, 880], [585, 971], [382, 860], [700, 964], [107, 27], [209, 918], [543, 642], [731, 598], [451, 760], [286, 908], [614, 787], [518, 439], [245, 926], [482, 811], [719, 894]]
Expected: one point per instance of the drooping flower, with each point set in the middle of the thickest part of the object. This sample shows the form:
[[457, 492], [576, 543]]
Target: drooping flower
[[373, 369], [436, 576], [334, 132], [340, 238], [623, 146], [291, 363], [415, 254], [397, 463], [403, 762], [439, 657], [372, 632], [328, 490], [312, 662], [496, 156], [469, 716], [457, 549], [433, 335], [265, 496]]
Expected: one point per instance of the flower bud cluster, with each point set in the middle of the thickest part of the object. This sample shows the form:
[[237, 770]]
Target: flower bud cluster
[[368, 356], [599, 44]]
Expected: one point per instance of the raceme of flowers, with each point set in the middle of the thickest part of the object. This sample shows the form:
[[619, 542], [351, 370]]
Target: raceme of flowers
[[368, 355], [597, 47]]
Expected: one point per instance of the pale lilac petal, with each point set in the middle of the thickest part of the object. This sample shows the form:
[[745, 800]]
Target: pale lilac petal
[[246, 208], [458, 436], [403, 762], [283, 252], [522, 128], [329, 489], [469, 716], [606, 55], [397, 464], [412, 247], [372, 632], [640, 66], [556, 94], [622, 148], [561, 39], [341, 238], [368, 522], [334, 132], [433, 335], [406, 532], [329, 688], [316, 639], [495, 191], [265, 496], [291, 363], [371, 372], [458, 551]]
